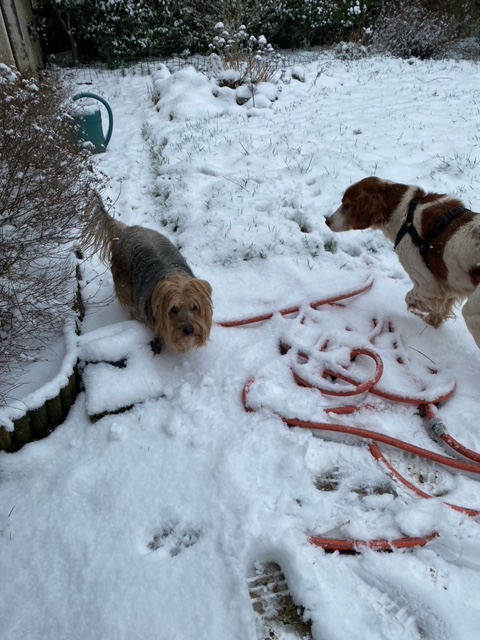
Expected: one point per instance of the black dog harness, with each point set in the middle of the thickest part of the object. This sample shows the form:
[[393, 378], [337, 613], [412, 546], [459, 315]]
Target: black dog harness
[[425, 244]]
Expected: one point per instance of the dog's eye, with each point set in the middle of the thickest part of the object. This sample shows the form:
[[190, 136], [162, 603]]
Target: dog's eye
[[346, 205], [174, 311], [195, 308]]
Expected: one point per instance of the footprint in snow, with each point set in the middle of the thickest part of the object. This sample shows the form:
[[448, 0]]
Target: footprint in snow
[[174, 538]]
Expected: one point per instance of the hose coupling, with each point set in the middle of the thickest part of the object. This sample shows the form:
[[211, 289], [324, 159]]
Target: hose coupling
[[438, 428]]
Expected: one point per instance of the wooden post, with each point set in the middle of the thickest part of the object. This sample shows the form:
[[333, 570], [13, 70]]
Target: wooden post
[[39, 421], [5, 440], [21, 431], [54, 412]]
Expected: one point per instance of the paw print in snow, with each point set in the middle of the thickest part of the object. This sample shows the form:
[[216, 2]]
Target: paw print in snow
[[174, 538]]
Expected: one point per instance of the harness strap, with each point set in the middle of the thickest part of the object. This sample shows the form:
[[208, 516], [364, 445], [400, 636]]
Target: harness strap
[[441, 222], [425, 244], [407, 226]]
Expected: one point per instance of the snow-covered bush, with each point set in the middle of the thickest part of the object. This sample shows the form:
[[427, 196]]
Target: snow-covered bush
[[421, 29], [261, 16], [43, 186], [124, 29], [117, 31], [242, 58], [312, 22]]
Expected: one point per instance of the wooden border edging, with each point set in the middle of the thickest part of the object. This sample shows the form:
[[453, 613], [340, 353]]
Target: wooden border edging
[[40, 422], [41, 419]]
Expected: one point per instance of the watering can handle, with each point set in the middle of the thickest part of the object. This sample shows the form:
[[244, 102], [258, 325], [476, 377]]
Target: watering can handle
[[107, 107]]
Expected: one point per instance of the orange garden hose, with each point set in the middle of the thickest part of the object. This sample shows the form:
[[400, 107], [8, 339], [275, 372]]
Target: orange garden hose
[[439, 431], [289, 311], [378, 455], [381, 544], [469, 464]]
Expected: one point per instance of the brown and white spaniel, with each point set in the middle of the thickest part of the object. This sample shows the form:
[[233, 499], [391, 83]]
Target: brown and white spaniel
[[437, 240]]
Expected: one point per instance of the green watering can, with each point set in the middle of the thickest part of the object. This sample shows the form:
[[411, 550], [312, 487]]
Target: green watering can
[[88, 123]]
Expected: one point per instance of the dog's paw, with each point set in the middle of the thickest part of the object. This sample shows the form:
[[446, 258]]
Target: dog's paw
[[434, 320], [416, 303], [156, 346]]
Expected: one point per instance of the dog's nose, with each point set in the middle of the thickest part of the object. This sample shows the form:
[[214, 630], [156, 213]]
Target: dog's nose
[[327, 221], [187, 330]]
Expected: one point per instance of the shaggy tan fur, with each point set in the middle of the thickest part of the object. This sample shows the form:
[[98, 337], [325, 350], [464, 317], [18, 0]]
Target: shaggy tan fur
[[180, 302], [152, 280]]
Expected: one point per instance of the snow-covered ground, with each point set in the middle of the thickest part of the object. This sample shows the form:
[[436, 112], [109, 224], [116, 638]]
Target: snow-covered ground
[[148, 523]]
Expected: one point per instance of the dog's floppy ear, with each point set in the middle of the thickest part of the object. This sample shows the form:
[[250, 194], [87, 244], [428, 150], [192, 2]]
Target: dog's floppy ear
[[162, 297], [205, 287], [204, 292], [369, 210]]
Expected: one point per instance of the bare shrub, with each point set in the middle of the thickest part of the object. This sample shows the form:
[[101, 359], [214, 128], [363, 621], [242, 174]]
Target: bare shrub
[[421, 29], [43, 188], [242, 58]]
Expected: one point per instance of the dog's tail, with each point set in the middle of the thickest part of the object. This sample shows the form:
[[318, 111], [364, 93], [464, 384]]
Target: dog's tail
[[100, 229]]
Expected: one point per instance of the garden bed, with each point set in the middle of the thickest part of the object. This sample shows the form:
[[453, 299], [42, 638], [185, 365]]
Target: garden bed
[[46, 404]]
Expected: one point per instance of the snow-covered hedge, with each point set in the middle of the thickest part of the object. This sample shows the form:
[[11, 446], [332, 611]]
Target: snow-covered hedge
[[116, 30], [44, 184]]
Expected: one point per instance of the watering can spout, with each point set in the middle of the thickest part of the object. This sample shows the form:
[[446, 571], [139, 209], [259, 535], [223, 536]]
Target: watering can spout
[[88, 124]]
